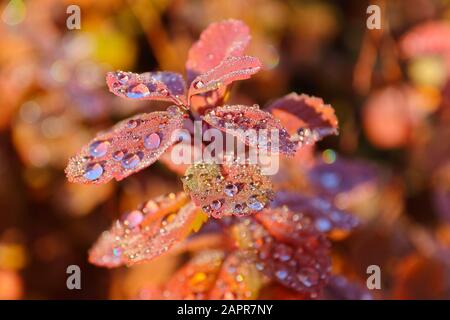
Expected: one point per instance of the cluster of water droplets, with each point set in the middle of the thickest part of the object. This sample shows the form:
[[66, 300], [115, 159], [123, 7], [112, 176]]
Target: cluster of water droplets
[[135, 86], [220, 191], [101, 150], [255, 127], [302, 267]]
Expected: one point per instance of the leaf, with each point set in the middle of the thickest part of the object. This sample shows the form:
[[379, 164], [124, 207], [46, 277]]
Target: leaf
[[131, 145], [307, 118], [295, 258], [194, 280], [146, 233], [228, 189], [229, 70], [238, 279], [287, 225], [324, 215], [165, 86], [254, 127], [217, 42]]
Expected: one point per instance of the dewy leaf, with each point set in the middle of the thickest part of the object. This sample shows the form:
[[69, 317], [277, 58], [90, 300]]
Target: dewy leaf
[[238, 279], [130, 146], [166, 86], [194, 280], [147, 232], [302, 265], [229, 70], [217, 42], [228, 189], [253, 126], [287, 226], [307, 118], [324, 215]]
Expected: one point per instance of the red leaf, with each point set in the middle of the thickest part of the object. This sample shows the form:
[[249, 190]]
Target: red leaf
[[217, 42], [287, 225], [166, 86], [324, 215], [239, 120], [194, 280], [229, 70], [229, 189], [238, 279], [131, 145], [299, 261], [307, 118], [143, 234]]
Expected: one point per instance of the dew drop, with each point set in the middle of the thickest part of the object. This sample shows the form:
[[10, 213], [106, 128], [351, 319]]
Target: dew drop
[[117, 252], [152, 141], [98, 149], [130, 161], [93, 171], [239, 208], [216, 204], [206, 209], [134, 218], [231, 190], [254, 204], [118, 155], [281, 274], [132, 124], [138, 91], [163, 92], [122, 78], [308, 277], [199, 84]]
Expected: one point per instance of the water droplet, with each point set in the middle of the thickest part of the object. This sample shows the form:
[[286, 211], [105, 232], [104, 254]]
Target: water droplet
[[254, 204], [122, 78], [163, 92], [216, 204], [99, 148], [199, 84], [152, 141], [93, 171], [138, 91], [130, 161], [239, 208], [281, 274], [206, 209], [308, 277], [118, 155], [134, 218], [231, 190], [117, 252], [132, 124]]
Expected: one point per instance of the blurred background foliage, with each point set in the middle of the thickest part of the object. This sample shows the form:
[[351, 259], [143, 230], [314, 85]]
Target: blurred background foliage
[[393, 112]]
